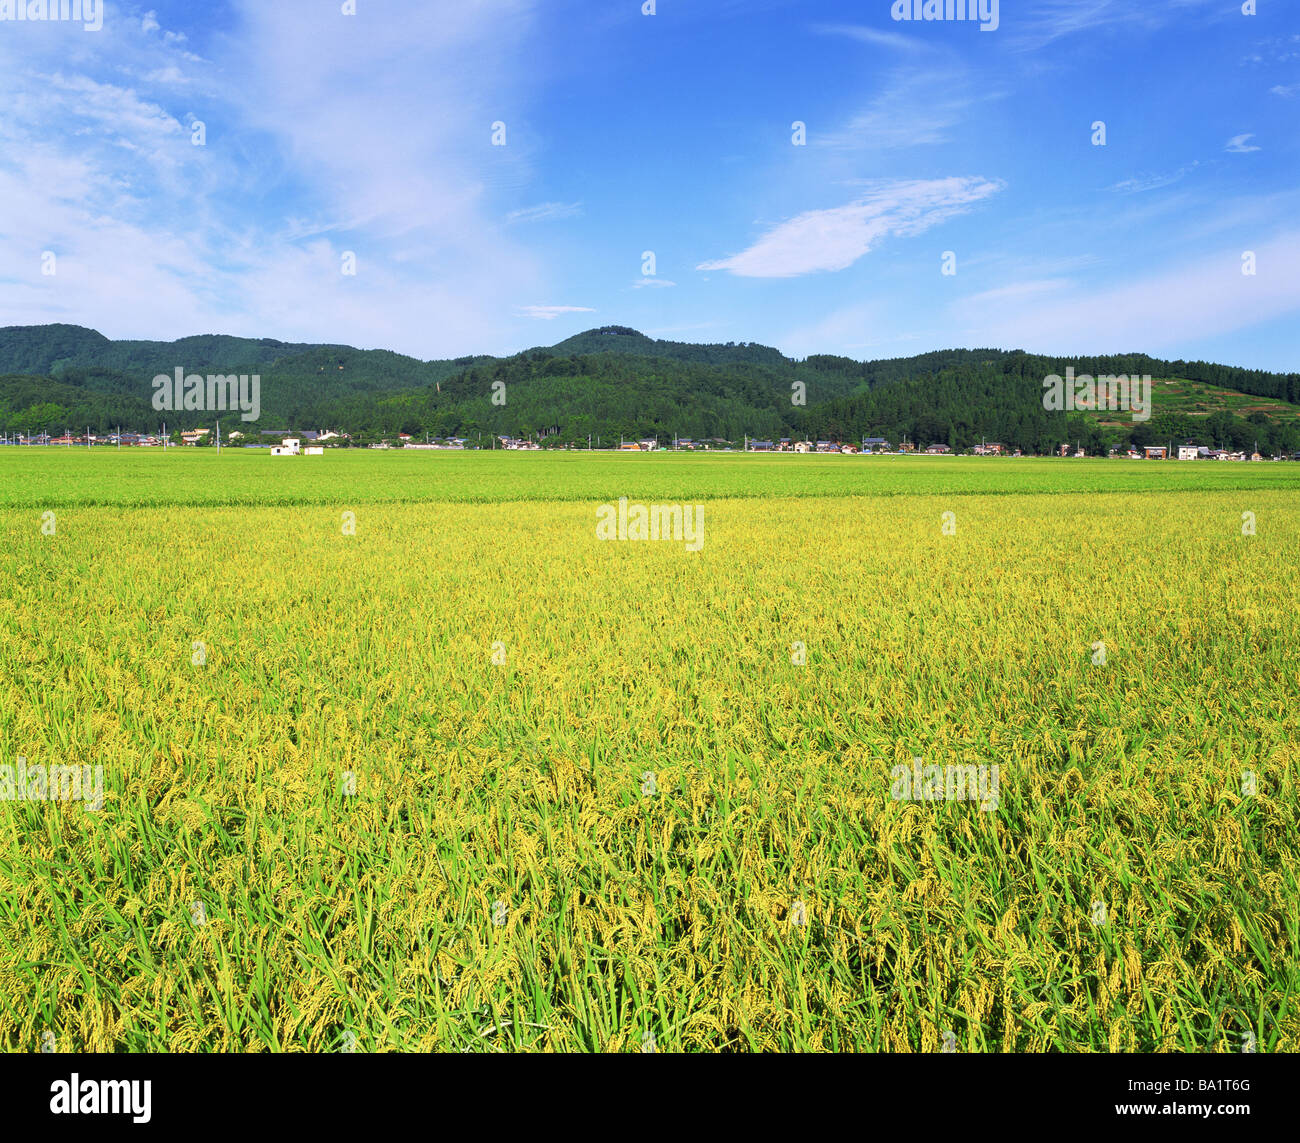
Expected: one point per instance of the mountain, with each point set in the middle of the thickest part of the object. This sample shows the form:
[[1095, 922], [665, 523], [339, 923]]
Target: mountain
[[621, 339], [614, 381]]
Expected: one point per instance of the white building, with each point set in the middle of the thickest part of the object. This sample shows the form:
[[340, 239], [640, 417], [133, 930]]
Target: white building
[[290, 446], [1187, 452]]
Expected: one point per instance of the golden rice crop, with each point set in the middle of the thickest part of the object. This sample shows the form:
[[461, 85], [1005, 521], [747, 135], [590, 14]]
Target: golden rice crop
[[471, 779]]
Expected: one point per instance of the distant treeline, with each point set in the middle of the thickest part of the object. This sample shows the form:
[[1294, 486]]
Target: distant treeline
[[611, 383]]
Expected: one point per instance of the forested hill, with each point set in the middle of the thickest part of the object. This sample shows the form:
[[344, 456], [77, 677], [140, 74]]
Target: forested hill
[[614, 381], [621, 339]]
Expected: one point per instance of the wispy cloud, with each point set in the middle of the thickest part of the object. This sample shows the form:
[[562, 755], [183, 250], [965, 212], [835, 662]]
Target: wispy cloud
[[1019, 291], [154, 236], [1285, 91], [1051, 20], [545, 212], [1143, 183], [550, 313], [1163, 311], [836, 238], [1240, 144], [894, 41], [914, 108]]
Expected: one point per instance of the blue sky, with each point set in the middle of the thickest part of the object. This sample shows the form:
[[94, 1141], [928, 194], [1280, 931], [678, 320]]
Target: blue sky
[[371, 133]]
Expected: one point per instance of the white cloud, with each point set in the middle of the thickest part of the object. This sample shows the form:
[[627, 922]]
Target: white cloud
[[1240, 144], [913, 108], [1018, 291], [545, 212], [1161, 312], [834, 239], [1144, 183], [892, 40], [550, 313], [1055, 19], [312, 149], [1285, 91], [169, 74]]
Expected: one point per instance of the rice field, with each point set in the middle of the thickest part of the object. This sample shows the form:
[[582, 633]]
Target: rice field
[[398, 755]]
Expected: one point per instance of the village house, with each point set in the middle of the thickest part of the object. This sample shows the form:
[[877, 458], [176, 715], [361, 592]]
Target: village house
[[875, 444], [1156, 452], [937, 450]]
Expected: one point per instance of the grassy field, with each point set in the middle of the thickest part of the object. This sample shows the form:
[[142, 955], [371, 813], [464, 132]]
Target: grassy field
[[470, 778], [51, 478]]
